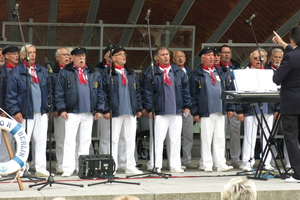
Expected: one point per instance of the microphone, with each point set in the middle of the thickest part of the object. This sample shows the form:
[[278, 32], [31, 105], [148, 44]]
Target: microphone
[[248, 21], [49, 68], [148, 15], [16, 10]]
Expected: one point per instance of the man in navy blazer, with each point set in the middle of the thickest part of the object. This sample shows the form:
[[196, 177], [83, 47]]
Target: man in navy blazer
[[288, 75]]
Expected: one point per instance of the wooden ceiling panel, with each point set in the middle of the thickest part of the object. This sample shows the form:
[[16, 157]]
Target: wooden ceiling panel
[[73, 11]]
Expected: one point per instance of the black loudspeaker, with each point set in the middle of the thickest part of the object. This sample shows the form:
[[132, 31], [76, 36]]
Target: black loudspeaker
[[94, 166]]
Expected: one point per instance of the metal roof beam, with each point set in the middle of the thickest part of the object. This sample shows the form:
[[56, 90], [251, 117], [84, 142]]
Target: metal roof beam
[[286, 27], [180, 16], [91, 18], [224, 26], [132, 19], [53, 12]]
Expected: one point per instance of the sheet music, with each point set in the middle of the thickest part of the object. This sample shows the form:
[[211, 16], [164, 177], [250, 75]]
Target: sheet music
[[254, 80]]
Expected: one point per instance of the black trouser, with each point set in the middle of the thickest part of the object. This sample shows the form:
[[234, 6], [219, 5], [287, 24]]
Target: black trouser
[[290, 126]]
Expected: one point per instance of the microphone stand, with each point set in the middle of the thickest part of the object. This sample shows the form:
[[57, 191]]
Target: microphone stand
[[26, 174], [50, 179], [111, 166], [154, 169], [257, 46]]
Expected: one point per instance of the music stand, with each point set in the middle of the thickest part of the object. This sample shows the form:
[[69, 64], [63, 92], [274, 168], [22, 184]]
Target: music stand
[[269, 143], [50, 179], [154, 168], [111, 176]]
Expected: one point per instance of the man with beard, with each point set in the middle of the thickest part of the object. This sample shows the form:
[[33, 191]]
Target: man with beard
[[79, 100], [276, 58]]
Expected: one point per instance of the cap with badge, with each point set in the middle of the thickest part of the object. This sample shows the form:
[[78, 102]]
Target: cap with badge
[[117, 49], [109, 47], [10, 49], [78, 50], [217, 50], [206, 50]]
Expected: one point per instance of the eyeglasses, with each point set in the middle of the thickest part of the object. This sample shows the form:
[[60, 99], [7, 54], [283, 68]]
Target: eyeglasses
[[65, 54], [121, 54], [226, 52]]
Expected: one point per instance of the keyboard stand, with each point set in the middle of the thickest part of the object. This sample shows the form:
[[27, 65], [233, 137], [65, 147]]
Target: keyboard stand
[[269, 143]]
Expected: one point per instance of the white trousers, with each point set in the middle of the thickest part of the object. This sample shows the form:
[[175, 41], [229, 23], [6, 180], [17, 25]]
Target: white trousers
[[105, 140], [167, 126], [213, 140], [37, 131], [128, 124], [59, 134], [250, 133], [187, 139], [81, 124]]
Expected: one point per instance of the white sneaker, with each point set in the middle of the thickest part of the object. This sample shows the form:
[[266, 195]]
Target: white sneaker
[[292, 180], [176, 170], [133, 171], [247, 168], [268, 167], [42, 173], [208, 169], [121, 169], [67, 174], [59, 171], [224, 168]]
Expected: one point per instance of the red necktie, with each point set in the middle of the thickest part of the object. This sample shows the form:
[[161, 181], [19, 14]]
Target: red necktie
[[9, 66], [166, 76], [61, 66], [211, 71], [273, 66], [226, 64], [34, 78], [124, 80], [81, 77], [33, 75]]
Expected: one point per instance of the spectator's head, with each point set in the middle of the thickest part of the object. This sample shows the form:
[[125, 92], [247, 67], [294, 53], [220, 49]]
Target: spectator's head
[[126, 198], [239, 189]]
